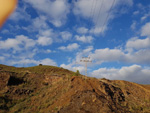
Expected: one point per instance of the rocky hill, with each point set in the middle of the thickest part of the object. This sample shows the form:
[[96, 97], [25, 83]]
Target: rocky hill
[[48, 89]]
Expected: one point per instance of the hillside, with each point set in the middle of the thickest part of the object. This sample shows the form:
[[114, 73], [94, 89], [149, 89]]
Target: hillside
[[49, 89]]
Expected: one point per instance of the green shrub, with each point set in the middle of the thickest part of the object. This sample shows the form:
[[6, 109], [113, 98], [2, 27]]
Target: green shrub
[[77, 73]]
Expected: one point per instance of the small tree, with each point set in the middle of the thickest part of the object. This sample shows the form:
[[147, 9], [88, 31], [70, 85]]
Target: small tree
[[40, 64], [77, 73]]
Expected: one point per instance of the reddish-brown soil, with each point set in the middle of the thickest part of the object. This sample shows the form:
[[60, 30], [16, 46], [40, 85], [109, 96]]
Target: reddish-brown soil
[[47, 89]]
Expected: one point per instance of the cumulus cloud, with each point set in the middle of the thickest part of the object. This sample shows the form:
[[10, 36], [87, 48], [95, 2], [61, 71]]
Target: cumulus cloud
[[69, 66], [134, 73], [66, 35], [44, 41], [107, 55], [145, 30], [37, 24], [47, 61], [141, 56], [82, 30], [136, 51], [55, 10], [45, 33], [136, 43], [45, 37], [84, 39], [18, 43], [70, 47]]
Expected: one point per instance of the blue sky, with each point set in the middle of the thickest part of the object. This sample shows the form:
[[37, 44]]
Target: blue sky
[[115, 34]]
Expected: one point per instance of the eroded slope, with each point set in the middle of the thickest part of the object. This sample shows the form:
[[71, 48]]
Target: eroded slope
[[49, 89]]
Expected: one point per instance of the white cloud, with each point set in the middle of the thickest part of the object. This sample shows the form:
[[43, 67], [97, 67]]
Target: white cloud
[[136, 43], [44, 37], [76, 64], [48, 61], [70, 47], [74, 68], [107, 55], [66, 35], [39, 22], [18, 43], [84, 39], [23, 62], [83, 8], [90, 9], [45, 61], [87, 50], [82, 30], [46, 32], [69, 66], [145, 31], [20, 14], [140, 56], [55, 10], [26, 41], [9, 43], [44, 41], [134, 73]]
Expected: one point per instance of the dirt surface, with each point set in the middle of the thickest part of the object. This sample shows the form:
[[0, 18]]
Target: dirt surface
[[48, 89]]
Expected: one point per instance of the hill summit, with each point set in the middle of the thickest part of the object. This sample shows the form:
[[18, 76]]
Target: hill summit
[[49, 89]]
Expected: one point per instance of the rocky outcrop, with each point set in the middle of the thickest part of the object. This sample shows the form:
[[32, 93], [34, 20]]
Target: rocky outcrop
[[4, 78]]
